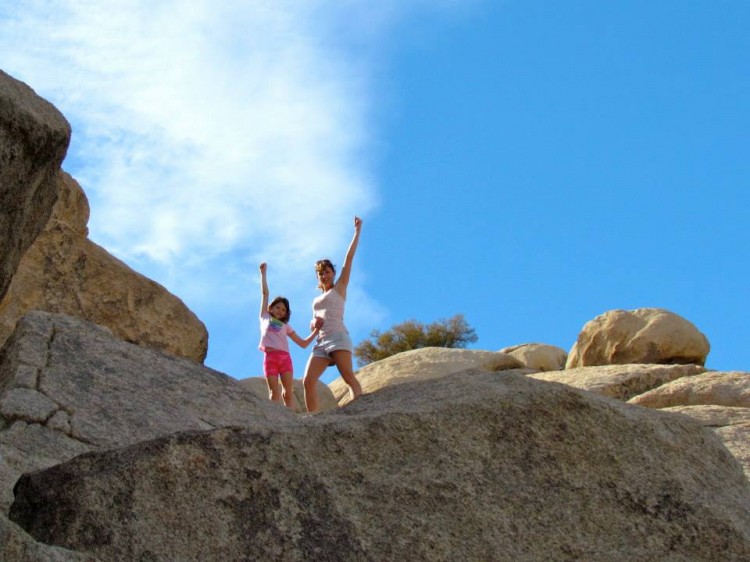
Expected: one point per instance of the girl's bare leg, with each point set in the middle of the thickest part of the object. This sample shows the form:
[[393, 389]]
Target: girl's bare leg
[[287, 390], [274, 391], [343, 360], [313, 370]]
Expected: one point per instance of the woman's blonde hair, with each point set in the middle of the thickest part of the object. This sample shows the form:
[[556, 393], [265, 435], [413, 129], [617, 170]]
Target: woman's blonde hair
[[320, 265]]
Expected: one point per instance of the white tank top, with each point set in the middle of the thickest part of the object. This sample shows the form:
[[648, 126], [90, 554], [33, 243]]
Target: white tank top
[[330, 307]]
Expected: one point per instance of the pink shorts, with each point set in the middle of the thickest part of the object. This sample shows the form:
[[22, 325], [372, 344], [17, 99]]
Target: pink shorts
[[276, 363]]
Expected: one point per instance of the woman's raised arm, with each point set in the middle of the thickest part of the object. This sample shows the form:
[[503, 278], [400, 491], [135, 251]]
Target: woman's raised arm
[[343, 281]]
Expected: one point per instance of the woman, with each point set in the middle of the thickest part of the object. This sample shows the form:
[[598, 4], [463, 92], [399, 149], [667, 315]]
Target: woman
[[333, 346]]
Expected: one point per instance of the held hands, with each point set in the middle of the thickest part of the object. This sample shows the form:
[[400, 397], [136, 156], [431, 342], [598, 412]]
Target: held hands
[[316, 324]]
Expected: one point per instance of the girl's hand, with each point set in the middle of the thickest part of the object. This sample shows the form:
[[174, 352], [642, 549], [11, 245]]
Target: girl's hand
[[262, 267], [357, 223]]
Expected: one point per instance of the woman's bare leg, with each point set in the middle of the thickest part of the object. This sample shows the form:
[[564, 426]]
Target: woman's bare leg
[[313, 370], [343, 360]]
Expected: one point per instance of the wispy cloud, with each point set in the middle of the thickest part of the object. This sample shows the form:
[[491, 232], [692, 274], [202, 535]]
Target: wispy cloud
[[211, 135], [201, 128], [197, 123]]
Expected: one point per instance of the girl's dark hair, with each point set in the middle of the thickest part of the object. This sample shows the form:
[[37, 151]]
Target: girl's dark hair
[[320, 265], [288, 309]]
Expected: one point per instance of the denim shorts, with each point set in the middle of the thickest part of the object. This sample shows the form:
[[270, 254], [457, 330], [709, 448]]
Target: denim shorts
[[337, 341]]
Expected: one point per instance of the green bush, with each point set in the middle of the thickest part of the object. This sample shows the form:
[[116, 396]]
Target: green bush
[[452, 332]]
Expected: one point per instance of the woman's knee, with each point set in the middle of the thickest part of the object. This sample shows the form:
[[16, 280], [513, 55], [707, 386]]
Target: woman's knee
[[310, 381]]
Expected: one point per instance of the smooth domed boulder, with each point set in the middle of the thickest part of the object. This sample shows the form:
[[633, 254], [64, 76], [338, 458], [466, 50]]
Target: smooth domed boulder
[[421, 364], [643, 335], [538, 356]]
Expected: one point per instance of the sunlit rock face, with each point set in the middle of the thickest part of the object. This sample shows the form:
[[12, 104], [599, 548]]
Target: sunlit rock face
[[644, 335], [34, 139], [538, 356], [47, 261], [421, 364]]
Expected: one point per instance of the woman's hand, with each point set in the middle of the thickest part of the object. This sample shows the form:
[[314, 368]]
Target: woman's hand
[[316, 323]]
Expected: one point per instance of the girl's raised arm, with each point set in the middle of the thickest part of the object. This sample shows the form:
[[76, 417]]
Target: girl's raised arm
[[343, 281], [263, 288]]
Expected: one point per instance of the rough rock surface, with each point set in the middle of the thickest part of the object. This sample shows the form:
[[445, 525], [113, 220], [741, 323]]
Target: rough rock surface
[[31, 446], [63, 271], [644, 335], [731, 424], [538, 356], [258, 386], [18, 546], [714, 416], [421, 364], [67, 386], [736, 439], [720, 400], [34, 138], [550, 472], [622, 382], [720, 388]]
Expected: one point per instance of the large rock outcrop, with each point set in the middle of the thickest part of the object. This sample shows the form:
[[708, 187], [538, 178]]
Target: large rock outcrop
[[34, 139], [548, 473], [422, 364], [65, 272], [644, 335], [68, 386]]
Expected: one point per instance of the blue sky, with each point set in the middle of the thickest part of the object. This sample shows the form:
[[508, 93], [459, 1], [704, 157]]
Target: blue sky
[[530, 164]]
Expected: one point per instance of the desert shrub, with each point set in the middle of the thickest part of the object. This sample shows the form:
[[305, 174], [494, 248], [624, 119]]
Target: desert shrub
[[451, 332]]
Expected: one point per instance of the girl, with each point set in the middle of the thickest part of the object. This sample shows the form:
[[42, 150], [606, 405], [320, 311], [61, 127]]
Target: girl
[[274, 329], [334, 346]]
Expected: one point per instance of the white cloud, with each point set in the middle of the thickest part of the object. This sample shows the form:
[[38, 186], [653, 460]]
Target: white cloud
[[211, 135], [200, 127]]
